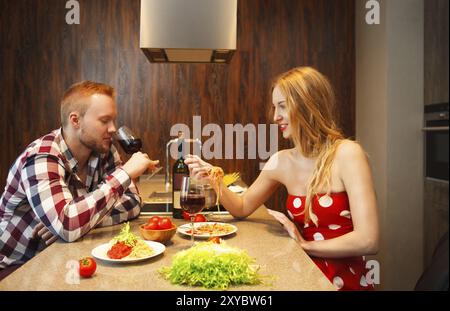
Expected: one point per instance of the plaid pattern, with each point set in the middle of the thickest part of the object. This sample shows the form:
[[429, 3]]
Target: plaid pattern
[[43, 186]]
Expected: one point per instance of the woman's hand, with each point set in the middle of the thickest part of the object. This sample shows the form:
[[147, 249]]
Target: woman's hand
[[288, 225], [198, 168]]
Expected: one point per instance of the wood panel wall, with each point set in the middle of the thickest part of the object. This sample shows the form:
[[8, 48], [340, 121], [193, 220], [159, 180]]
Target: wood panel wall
[[41, 56]]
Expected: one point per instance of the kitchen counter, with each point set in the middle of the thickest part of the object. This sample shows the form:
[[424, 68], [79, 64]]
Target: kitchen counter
[[264, 238]]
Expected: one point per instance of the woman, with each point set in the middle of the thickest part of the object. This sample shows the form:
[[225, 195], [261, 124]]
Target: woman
[[331, 195]]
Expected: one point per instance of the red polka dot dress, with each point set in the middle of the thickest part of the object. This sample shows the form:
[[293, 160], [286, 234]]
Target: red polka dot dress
[[334, 220]]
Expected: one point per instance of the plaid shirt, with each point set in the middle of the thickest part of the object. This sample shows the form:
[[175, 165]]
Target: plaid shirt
[[43, 186]]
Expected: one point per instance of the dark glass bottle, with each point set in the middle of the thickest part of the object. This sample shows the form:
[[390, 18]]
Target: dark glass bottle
[[179, 170]]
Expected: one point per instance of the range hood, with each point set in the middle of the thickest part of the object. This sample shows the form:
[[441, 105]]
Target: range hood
[[188, 31]]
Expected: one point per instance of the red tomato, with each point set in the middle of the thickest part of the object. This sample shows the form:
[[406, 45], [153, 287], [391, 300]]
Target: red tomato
[[186, 216], [165, 223], [199, 218], [154, 219], [87, 267], [214, 239], [152, 226]]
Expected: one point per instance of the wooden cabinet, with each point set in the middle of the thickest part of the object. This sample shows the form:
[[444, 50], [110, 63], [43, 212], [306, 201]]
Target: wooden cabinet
[[435, 215], [435, 91]]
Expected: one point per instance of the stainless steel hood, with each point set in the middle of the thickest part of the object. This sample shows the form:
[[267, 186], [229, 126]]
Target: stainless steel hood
[[192, 31]]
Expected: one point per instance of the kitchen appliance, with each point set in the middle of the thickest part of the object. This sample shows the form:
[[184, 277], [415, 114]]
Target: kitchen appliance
[[188, 31], [436, 141]]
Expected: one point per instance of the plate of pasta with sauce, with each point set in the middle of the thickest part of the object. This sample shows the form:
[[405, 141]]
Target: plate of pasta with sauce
[[208, 229], [126, 247]]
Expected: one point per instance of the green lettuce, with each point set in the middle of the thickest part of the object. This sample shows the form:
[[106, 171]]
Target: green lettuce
[[211, 265], [125, 236]]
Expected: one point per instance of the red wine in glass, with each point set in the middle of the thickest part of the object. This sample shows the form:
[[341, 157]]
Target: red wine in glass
[[128, 140], [192, 203], [130, 146], [192, 199]]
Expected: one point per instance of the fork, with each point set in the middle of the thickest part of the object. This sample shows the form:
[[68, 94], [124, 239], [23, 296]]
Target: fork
[[231, 178], [153, 173]]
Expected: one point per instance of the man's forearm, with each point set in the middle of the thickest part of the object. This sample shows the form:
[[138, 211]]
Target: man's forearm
[[126, 208]]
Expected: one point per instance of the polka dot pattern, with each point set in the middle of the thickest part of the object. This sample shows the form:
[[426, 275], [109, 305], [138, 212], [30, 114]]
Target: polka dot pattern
[[325, 201], [338, 282], [334, 227], [333, 220], [363, 281], [346, 214], [297, 202], [318, 236]]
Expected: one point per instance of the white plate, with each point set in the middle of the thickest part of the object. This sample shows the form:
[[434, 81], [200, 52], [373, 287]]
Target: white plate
[[237, 189], [100, 252], [187, 227]]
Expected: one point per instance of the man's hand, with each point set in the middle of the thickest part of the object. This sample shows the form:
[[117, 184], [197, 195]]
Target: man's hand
[[138, 164], [41, 232]]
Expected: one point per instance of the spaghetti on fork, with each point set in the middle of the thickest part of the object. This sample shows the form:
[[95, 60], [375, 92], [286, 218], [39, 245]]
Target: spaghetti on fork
[[215, 173]]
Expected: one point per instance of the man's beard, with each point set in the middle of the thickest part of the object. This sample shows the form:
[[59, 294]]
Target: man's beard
[[90, 143]]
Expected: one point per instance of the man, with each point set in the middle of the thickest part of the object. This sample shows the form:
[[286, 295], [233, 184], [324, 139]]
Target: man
[[70, 180]]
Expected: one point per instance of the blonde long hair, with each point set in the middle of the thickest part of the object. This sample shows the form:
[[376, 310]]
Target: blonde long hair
[[311, 102]]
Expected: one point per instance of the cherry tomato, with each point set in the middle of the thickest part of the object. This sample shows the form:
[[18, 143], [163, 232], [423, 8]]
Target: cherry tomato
[[186, 216], [152, 226], [154, 219], [165, 223], [199, 218], [87, 267], [214, 239]]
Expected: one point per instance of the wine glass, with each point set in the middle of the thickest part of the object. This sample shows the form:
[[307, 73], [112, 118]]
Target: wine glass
[[128, 140], [211, 204], [192, 199]]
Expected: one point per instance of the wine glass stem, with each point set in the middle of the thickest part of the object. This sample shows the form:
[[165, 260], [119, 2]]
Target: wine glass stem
[[192, 216]]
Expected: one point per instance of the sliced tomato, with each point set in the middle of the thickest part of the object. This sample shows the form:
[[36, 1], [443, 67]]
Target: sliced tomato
[[214, 239], [87, 267]]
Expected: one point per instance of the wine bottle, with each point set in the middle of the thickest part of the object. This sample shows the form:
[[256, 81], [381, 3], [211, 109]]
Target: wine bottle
[[179, 170]]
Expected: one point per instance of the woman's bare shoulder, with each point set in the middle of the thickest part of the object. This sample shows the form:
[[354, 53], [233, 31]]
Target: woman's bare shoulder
[[349, 151]]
